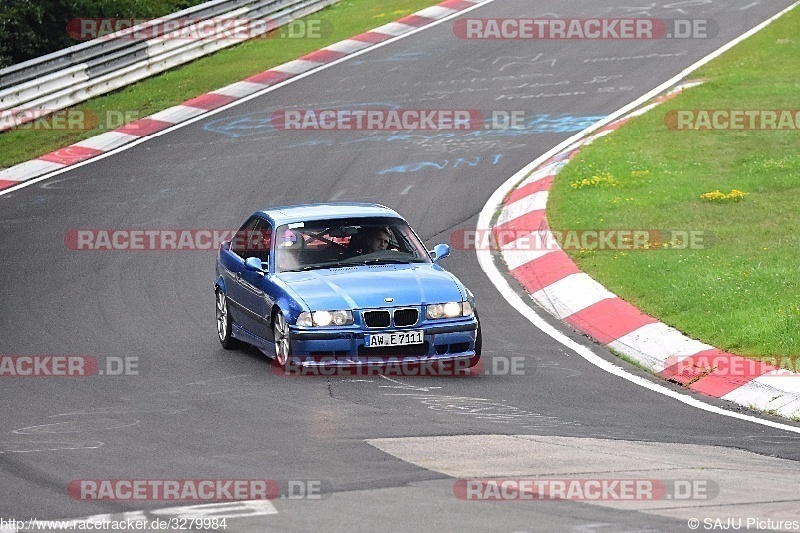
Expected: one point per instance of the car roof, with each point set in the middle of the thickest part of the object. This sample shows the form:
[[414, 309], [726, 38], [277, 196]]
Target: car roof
[[306, 212]]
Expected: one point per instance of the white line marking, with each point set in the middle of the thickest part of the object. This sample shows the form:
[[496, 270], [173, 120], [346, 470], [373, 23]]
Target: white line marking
[[30, 168], [656, 344], [239, 89], [392, 28], [77, 426], [533, 202], [106, 141], [297, 66], [177, 113], [515, 300], [27, 447], [401, 385], [348, 46], [435, 12], [516, 257], [571, 294], [235, 509]]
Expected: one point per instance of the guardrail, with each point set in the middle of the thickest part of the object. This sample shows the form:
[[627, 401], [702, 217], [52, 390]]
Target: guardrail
[[62, 79]]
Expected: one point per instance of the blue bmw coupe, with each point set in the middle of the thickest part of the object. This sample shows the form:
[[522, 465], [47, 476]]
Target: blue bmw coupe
[[341, 284]]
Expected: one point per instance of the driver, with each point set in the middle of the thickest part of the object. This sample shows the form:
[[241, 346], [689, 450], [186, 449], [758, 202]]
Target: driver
[[376, 239]]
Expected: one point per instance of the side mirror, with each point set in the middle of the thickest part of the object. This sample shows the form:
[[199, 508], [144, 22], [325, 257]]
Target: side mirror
[[254, 264], [440, 251]]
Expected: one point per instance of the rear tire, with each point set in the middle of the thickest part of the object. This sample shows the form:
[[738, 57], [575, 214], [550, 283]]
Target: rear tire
[[224, 324]]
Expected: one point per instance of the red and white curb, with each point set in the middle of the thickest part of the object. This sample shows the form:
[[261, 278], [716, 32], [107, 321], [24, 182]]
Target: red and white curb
[[556, 284], [106, 142]]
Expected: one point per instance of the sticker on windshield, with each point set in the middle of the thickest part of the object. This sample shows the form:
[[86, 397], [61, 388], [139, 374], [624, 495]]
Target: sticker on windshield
[[288, 239]]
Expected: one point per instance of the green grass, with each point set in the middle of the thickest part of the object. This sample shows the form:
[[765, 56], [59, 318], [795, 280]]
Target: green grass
[[742, 292], [345, 18]]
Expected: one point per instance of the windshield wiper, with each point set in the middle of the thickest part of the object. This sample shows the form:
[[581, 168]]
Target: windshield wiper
[[387, 261], [338, 264], [365, 262]]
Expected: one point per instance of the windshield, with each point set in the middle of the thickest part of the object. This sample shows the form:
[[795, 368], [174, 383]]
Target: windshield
[[346, 242]]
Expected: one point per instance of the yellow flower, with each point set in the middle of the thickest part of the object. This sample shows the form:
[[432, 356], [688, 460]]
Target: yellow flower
[[602, 179], [718, 196]]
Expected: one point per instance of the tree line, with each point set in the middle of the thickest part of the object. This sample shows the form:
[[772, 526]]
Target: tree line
[[33, 28]]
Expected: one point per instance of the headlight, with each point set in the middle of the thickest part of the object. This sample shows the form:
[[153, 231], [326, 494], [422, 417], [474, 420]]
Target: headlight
[[448, 310], [325, 318]]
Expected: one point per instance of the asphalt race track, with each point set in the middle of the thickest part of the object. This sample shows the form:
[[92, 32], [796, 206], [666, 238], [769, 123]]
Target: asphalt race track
[[379, 448]]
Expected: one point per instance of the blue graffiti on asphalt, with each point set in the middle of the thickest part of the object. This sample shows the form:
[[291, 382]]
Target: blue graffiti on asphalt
[[439, 165], [541, 123], [260, 124], [242, 125]]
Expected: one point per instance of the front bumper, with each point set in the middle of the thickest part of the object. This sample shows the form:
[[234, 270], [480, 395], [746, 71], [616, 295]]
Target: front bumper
[[450, 340]]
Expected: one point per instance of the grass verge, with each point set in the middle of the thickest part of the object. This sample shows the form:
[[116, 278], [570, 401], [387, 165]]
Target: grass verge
[[740, 291], [344, 19]]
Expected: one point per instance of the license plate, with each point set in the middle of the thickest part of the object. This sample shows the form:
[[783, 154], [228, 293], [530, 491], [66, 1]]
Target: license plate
[[399, 338]]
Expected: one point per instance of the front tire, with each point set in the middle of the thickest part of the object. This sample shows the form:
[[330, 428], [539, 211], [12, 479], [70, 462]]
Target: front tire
[[283, 340], [224, 327]]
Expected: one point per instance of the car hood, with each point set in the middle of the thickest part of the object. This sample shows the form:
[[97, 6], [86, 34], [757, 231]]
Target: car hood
[[366, 287]]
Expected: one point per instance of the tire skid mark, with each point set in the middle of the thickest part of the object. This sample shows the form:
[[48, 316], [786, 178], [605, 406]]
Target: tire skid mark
[[77, 426], [484, 409]]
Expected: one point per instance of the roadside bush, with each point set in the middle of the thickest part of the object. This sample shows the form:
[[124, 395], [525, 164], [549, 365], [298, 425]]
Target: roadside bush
[[32, 28]]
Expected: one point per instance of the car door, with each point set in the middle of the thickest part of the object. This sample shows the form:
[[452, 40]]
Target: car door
[[256, 301], [240, 300]]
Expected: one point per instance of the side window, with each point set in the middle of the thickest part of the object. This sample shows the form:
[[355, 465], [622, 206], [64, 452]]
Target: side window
[[264, 241], [253, 239], [241, 240]]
